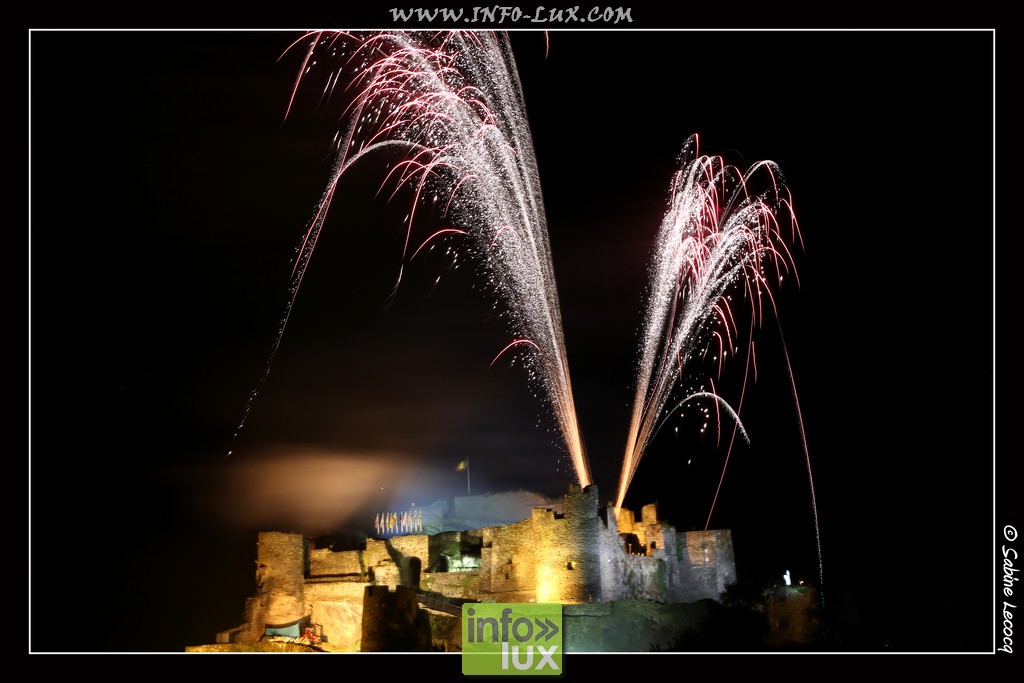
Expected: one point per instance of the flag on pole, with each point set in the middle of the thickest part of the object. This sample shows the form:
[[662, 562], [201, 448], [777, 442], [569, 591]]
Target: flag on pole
[[464, 467]]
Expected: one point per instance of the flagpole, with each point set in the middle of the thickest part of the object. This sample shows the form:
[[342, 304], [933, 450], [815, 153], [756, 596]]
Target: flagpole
[[468, 491]]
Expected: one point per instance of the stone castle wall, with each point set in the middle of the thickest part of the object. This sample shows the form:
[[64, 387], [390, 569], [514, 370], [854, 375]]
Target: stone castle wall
[[393, 621], [578, 557], [412, 555], [569, 560], [792, 613], [612, 555], [337, 606], [326, 562], [280, 575], [644, 578], [508, 562], [454, 551], [707, 562], [461, 585], [376, 553]]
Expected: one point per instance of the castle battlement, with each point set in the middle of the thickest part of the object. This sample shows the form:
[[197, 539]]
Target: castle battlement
[[586, 554]]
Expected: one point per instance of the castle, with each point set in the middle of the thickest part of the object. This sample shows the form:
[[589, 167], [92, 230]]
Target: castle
[[407, 590]]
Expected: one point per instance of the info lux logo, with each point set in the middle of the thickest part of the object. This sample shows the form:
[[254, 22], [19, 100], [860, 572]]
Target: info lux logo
[[513, 639]]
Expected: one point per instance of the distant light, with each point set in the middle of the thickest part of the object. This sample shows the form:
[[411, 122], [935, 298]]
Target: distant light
[[787, 579]]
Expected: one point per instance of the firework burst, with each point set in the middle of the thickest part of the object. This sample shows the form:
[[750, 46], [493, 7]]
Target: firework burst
[[450, 106], [722, 240]]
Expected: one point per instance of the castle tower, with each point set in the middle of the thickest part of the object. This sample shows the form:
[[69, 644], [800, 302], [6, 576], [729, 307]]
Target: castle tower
[[393, 621], [568, 550], [708, 563], [280, 573]]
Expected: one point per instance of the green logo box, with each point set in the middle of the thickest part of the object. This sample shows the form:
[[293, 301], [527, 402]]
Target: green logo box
[[512, 639]]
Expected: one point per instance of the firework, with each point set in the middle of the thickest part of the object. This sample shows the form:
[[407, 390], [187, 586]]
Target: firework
[[721, 240], [450, 106]]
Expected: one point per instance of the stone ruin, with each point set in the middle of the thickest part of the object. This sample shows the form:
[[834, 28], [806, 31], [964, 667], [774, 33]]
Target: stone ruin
[[405, 593]]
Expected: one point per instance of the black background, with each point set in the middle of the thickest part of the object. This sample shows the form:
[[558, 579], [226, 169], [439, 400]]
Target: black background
[[168, 196]]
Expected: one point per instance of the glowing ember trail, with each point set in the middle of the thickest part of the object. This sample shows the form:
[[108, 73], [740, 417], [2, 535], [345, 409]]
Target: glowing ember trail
[[720, 236], [450, 104]]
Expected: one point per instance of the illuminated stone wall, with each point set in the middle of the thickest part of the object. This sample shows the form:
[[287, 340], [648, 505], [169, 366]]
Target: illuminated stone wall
[[326, 562], [625, 520], [337, 606], [569, 550], [341, 622], [280, 574], [644, 578], [612, 555], [407, 548], [508, 571], [707, 563], [376, 553], [578, 557], [322, 590], [376, 560], [465, 585], [457, 551]]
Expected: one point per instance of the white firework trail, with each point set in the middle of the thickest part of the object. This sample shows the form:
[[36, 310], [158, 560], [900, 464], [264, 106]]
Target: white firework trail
[[451, 106], [718, 237]]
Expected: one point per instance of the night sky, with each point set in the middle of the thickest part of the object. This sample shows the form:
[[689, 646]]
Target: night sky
[[168, 196]]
